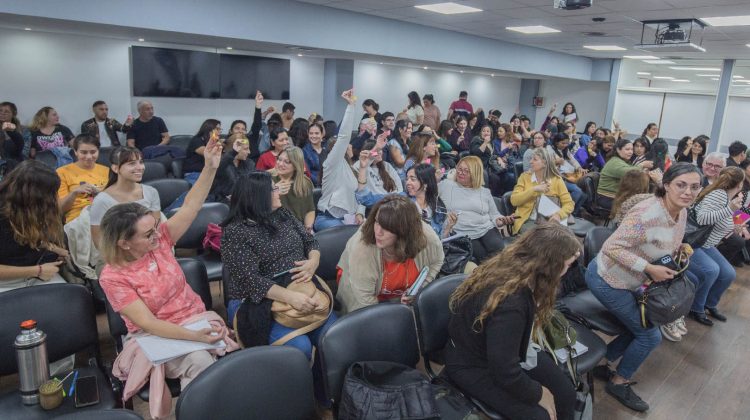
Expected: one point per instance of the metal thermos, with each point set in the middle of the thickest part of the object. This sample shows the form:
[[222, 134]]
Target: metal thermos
[[31, 354]]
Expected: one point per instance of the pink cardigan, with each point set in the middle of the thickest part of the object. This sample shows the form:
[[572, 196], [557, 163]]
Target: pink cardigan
[[133, 367]]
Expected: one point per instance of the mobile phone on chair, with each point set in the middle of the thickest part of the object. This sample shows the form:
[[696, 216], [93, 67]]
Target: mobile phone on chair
[[86, 391]]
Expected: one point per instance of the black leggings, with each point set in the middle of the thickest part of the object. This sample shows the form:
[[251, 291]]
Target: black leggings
[[479, 384], [487, 245]]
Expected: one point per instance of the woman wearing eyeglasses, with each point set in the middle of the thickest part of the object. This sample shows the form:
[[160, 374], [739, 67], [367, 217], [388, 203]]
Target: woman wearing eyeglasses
[[383, 258], [652, 229]]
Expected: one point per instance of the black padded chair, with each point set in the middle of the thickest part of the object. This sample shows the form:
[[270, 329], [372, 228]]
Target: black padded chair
[[265, 382], [195, 276], [101, 414], [176, 168], [153, 171], [65, 312], [104, 153], [594, 242], [169, 189], [332, 243], [352, 338], [180, 140], [589, 184], [193, 238], [518, 169], [317, 193], [46, 157]]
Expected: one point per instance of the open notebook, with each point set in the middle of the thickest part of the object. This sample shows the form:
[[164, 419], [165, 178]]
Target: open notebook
[[160, 350]]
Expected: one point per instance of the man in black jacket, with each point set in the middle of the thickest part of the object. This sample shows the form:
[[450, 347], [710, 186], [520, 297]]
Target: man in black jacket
[[103, 127]]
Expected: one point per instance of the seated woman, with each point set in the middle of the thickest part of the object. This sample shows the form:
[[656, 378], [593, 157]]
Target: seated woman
[[538, 141], [315, 153], [506, 146], [337, 202], [32, 239], [295, 188], [633, 188], [460, 137], [617, 166], [144, 283], [262, 239], [381, 177], [693, 151], [81, 180], [492, 316], [542, 180], [499, 174], [47, 133], [279, 141], [478, 215], [652, 229], [193, 164], [124, 186], [383, 258], [641, 149], [235, 163], [590, 157], [398, 145], [422, 149], [569, 168]]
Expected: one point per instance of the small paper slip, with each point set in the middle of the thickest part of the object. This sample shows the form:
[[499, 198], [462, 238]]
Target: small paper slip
[[547, 207], [160, 350], [562, 354]]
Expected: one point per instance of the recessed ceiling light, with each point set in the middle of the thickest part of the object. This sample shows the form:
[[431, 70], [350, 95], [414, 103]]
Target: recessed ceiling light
[[681, 80], [641, 57], [492, 75], [714, 78], [229, 48], [695, 68], [448, 8], [425, 68], [643, 73], [727, 20], [604, 48], [141, 39], [707, 75], [26, 29], [664, 77], [381, 62], [658, 61], [533, 29], [299, 55], [460, 71], [737, 77]]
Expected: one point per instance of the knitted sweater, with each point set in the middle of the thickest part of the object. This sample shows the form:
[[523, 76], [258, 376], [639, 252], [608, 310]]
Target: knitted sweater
[[646, 233]]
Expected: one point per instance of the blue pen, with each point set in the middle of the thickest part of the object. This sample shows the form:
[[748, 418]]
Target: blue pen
[[73, 385]]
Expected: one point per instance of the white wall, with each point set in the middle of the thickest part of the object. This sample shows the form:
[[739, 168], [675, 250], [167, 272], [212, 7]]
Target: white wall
[[590, 99], [735, 123], [70, 72], [388, 85]]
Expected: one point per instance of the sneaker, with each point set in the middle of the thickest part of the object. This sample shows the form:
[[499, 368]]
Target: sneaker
[[670, 332], [571, 220], [681, 325], [626, 396]]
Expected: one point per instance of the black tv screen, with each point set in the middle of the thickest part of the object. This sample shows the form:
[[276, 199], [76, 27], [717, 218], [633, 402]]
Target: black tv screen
[[242, 75], [175, 73]]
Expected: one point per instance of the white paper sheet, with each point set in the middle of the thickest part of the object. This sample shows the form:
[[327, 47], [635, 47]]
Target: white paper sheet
[[160, 350], [562, 354], [547, 207]]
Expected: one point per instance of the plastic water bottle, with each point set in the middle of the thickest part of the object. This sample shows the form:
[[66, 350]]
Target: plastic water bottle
[[33, 367]]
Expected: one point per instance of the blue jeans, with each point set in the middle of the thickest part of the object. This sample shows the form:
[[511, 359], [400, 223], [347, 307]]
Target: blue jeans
[[714, 275], [637, 343], [325, 221], [302, 342], [577, 194]]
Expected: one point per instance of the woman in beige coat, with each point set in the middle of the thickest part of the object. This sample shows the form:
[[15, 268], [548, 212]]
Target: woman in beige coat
[[383, 259]]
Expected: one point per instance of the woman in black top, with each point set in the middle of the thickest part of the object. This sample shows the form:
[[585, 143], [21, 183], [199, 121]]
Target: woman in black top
[[235, 163], [194, 160], [491, 324], [47, 133], [262, 239]]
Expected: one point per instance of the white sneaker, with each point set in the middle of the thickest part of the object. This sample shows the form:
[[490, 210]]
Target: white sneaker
[[669, 331], [681, 326]]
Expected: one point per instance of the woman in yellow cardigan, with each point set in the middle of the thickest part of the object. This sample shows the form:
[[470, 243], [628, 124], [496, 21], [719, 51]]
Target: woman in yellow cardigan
[[542, 178]]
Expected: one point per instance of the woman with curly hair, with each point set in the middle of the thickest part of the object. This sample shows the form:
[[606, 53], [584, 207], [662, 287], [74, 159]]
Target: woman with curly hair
[[493, 314]]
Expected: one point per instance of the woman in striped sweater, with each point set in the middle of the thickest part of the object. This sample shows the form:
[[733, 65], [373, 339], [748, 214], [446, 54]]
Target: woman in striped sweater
[[652, 229], [715, 206]]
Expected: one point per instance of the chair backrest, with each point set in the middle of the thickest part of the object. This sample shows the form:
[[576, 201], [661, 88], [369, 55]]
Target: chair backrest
[[594, 241], [209, 213], [518, 169], [591, 183], [317, 193], [500, 205], [176, 167], [47, 157], [332, 243], [153, 170], [383, 332], [180, 140], [433, 314], [169, 189], [195, 276], [103, 158], [65, 312], [265, 382], [508, 205]]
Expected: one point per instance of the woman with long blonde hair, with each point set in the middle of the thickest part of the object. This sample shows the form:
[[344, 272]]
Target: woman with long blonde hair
[[47, 132], [493, 314], [295, 188]]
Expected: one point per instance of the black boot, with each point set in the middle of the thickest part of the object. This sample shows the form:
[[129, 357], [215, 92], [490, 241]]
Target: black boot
[[701, 318], [715, 314]]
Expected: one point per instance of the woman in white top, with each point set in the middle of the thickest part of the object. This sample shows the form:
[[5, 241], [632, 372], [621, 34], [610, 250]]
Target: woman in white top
[[337, 201], [382, 177], [125, 174], [414, 110]]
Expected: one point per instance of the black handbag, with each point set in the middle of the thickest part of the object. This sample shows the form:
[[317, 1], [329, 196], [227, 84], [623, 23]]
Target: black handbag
[[386, 390], [696, 234], [457, 253], [663, 302]]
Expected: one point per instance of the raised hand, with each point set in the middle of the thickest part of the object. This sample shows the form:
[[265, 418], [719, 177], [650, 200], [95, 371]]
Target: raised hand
[[348, 96], [258, 99], [212, 152]]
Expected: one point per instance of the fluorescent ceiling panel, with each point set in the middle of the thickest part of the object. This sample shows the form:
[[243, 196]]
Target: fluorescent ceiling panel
[[695, 68], [681, 80], [534, 29], [604, 48], [448, 8], [658, 61], [643, 73], [727, 20], [664, 77], [640, 57]]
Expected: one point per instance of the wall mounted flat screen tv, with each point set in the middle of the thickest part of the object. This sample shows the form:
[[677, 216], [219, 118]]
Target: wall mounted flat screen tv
[[175, 73], [242, 75]]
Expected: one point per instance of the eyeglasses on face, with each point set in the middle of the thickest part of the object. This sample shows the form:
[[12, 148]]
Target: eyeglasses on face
[[681, 187], [713, 165]]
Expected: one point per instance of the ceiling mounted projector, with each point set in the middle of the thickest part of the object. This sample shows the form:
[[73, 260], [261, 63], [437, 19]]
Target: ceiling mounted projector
[[673, 35], [572, 4]]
